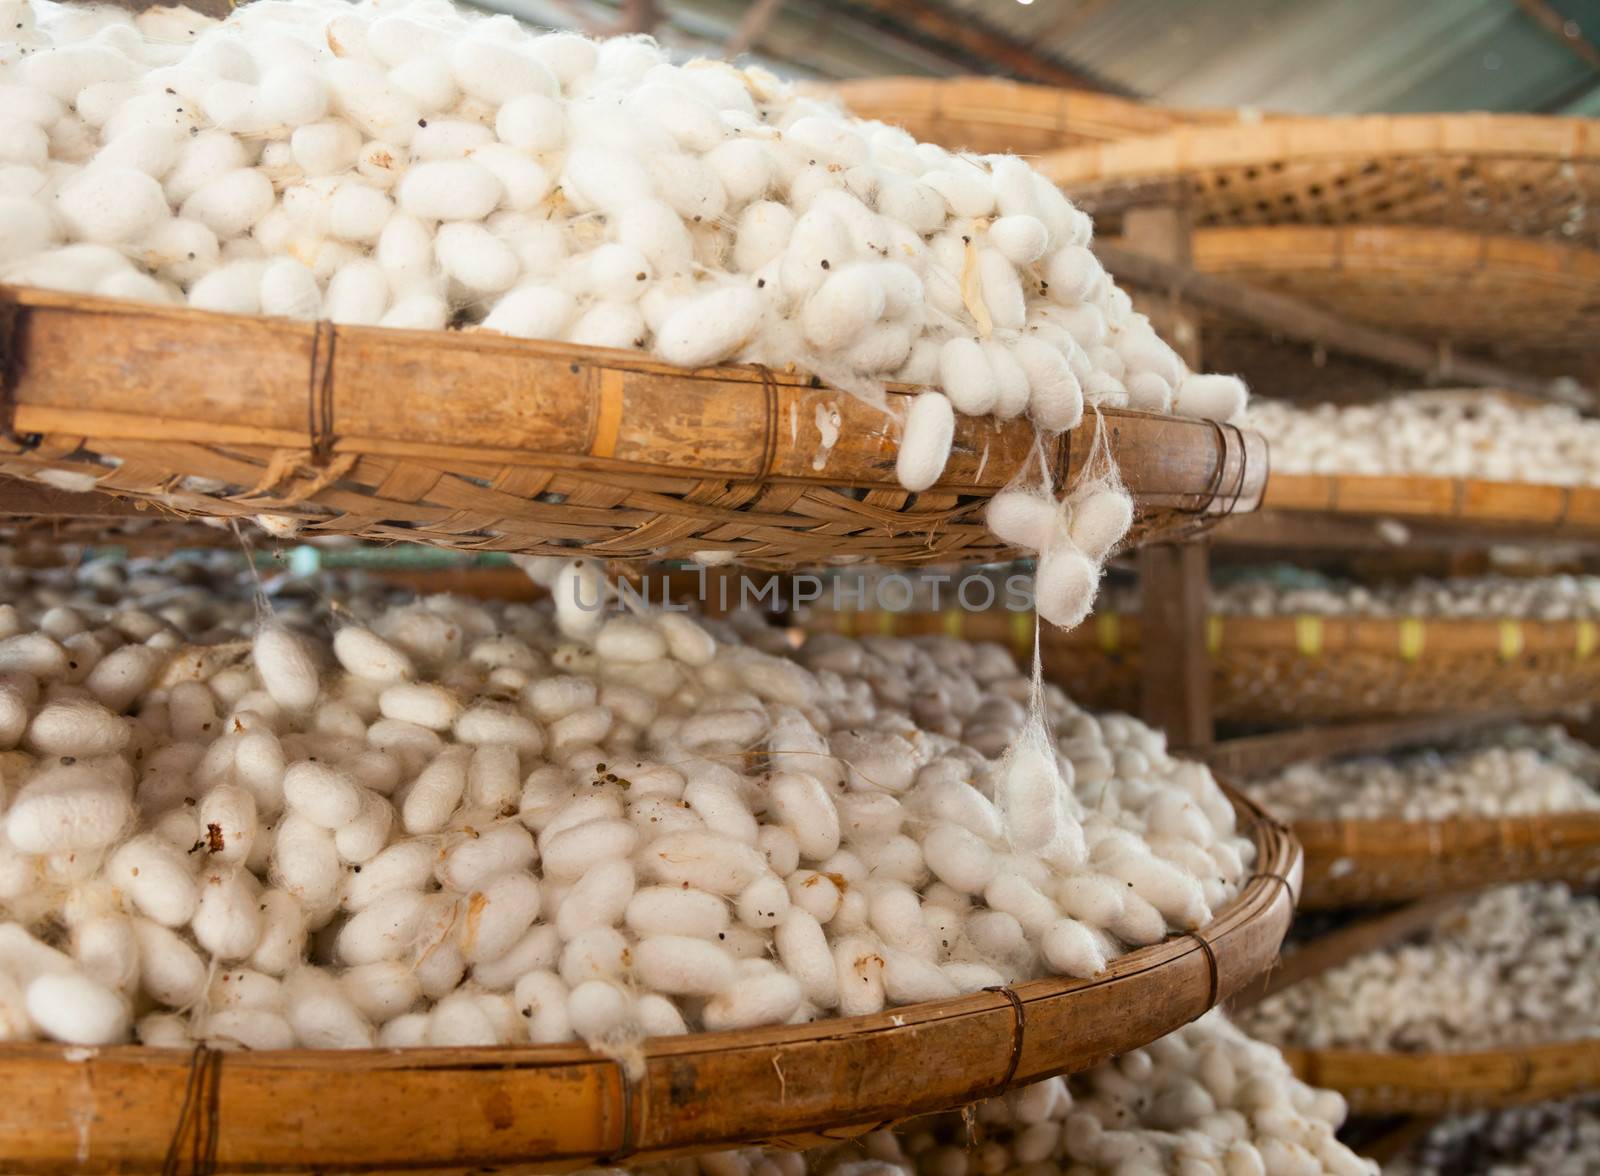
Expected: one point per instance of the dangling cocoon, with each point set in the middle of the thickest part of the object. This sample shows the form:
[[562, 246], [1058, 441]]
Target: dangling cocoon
[[1099, 520], [1065, 585], [1023, 518]]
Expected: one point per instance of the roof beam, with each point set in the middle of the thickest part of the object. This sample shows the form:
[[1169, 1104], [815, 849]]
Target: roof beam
[[970, 41], [1568, 32]]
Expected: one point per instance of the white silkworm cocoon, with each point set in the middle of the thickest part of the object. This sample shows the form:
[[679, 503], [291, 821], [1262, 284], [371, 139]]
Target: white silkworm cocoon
[[498, 915], [965, 189], [909, 978], [848, 302], [1016, 896], [541, 1000], [704, 860], [1099, 521], [966, 377], [764, 903], [119, 678], [27, 958], [433, 796], [895, 913], [77, 806], [475, 257], [1024, 518], [496, 71], [232, 203], [599, 953], [227, 923], [683, 965], [407, 865], [711, 327], [460, 1021], [1210, 397], [305, 861], [107, 950], [1055, 397], [1002, 290], [157, 877], [767, 999], [423, 703], [1072, 950], [1021, 239], [362, 838], [385, 929], [531, 122], [1028, 794], [815, 893], [1065, 585], [676, 910], [804, 952], [322, 1015], [77, 727], [79, 1010], [996, 934], [281, 944], [1148, 392], [227, 815], [33, 653], [170, 970], [287, 667], [532, 312], [111, 205], [358, 212], [958, 858], [597, 1010], [324, 148], [1095, 899], [859, 967], [449, 190], [1072, 273], [448, 138], [926, 440], [494, 780], [763, 234], [805, 808], [1168, 888], [572, 851], [597, 899], [259, 765], [720, 807], [625, 639], [358, 293], [321, 793]]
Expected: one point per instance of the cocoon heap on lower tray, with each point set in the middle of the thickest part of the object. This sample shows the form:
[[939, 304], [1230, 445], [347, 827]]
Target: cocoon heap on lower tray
[[1204, 1101], [457, 823], [1515, 966], [410, 165], [1491, 597], [1544, 1139], [1515, 771]]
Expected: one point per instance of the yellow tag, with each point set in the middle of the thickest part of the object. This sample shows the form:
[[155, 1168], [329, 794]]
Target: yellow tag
[[952, 622], [1413, 636], [886, 623], [1308, 636], [1213, 635], [1510, 639], [1108, 627], [1586, 639], [1022, 634]]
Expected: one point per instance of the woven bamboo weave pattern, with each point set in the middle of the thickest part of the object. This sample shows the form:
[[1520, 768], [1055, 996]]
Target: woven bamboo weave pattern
[[1526, 175], [1417, 1084], [994, 115], [554, 1108], [481, 442]]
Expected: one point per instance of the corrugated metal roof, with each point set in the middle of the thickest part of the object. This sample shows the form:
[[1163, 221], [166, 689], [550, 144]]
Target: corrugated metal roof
[[1309, 56]]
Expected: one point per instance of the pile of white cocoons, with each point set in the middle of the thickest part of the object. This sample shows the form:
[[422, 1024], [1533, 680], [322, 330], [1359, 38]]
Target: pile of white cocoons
[[1490, 597], [1474, 434], [1515, 778], [448, 822], [1543, 1139], [410, 165], [1516, 966], [1204, 1101]]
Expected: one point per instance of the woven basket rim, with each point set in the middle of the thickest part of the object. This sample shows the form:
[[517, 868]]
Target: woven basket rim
[[1170, 983]]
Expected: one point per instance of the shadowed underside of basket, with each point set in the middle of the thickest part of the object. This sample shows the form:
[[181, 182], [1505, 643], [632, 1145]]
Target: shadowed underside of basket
[[1380, 1083], [1355, 863], [482, 442], [554, 1108], [1527, 175]]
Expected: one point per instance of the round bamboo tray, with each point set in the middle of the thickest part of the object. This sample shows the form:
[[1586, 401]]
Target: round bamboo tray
[[1454, 285], [1529, 175], [555, 1108], [482, 442], [1278, 670], [1383, 1083], [996, 116], [1378, 862]]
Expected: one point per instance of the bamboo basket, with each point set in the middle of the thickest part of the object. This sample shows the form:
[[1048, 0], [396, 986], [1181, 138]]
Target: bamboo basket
[[1454, 285], [1528, 175], [1279, 670], [556, 1108], [994, 115], [1382, 1083], [1377, 862], [482, 442]]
